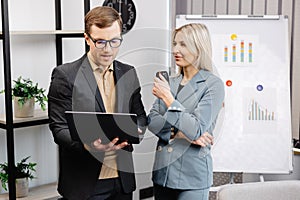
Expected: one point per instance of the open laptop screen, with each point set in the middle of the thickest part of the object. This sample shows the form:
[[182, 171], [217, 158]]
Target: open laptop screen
[[89, 126]]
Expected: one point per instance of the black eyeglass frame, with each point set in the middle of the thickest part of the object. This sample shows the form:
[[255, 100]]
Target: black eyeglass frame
[[106, 41]]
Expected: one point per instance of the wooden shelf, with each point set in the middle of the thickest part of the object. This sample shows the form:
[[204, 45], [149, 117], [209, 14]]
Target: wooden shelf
[[296, 151], [48, 191], [40, 117]]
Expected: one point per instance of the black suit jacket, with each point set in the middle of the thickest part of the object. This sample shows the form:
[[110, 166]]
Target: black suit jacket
[[73, 87]]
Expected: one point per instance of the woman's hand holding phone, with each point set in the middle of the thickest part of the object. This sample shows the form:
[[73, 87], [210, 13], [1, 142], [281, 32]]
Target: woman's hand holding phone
[[161, 88], [164, 74]]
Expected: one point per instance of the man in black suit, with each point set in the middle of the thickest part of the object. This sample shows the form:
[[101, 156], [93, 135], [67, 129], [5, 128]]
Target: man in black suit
[[96, 82]]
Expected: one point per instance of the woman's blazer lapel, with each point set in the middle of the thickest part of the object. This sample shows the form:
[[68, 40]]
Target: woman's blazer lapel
[[191, 88]]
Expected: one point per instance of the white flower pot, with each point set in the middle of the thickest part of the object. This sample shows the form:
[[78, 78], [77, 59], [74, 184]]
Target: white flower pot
[[22, 187], [27, 110]]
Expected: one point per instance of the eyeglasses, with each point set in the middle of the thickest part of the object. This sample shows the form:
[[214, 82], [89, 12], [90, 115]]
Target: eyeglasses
[[100, 44]]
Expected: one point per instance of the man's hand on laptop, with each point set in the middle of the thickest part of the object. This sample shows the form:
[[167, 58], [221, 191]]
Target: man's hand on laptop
[[112, 146]]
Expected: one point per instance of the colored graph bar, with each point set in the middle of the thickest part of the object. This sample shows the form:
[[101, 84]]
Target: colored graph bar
[[242, 51], [256, 110], [225, 54], [234, 53], [250, 52]]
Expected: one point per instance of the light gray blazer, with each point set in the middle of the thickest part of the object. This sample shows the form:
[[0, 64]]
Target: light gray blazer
[[179, 164]]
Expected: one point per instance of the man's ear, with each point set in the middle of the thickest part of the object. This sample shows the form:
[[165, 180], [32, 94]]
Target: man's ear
[[87, 39]]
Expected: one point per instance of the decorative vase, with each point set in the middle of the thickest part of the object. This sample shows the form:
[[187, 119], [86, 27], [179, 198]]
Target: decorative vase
[[27, 110], [21, 187]]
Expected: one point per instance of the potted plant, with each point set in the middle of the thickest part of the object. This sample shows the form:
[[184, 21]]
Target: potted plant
[[24, 171], [25, 94]]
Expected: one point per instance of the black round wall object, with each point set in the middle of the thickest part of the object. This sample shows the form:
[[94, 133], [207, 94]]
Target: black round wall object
[[127, 11]]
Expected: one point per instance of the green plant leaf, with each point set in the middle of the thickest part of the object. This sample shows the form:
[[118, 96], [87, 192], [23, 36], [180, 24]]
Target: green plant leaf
[[25, 89], [23, 169]]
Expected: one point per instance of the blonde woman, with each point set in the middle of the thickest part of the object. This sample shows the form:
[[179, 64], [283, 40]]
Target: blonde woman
[[183, 118]]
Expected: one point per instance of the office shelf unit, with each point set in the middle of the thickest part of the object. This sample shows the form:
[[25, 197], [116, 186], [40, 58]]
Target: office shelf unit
[[7, 122]]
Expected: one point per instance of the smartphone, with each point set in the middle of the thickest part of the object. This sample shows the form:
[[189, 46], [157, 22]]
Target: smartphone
[[164, 73]]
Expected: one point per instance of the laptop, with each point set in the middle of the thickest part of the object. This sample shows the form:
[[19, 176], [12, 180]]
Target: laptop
[[89, 126]]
